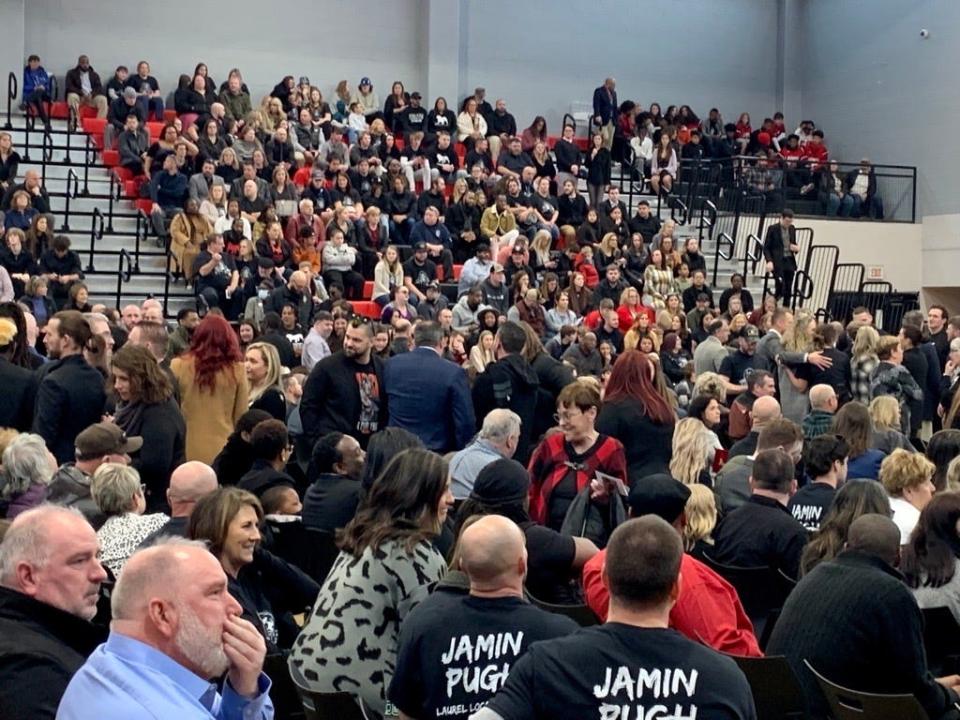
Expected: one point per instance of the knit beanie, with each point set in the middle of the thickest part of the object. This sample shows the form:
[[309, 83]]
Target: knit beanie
[[502, 481]]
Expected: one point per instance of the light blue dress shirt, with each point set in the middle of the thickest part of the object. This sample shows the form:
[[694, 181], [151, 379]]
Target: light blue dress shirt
[[125, 679]]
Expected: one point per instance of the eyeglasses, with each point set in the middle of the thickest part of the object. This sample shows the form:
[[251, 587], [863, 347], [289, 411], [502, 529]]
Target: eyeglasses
[[560, 417]]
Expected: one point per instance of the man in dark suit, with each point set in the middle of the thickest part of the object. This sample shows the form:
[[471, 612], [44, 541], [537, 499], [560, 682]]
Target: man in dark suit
[[605, 110], [780, 251], [19, 383], [71, 395], [429, 396]]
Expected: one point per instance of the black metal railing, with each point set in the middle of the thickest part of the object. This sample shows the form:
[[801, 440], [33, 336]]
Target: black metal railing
[[116, 191], [73, 187], [724, 250], [89, 158], [122, 275], [142, 235], [46, 154], [96, 232], [12, 89]]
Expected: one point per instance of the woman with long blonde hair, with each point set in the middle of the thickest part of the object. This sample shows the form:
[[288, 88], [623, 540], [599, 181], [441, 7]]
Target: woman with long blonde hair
[[701, 518], [885, 414], [481, 354], [262, 364], [691, 445], [863, 361], [794, 402]]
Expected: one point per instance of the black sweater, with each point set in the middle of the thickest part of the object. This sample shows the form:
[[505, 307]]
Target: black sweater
[[856, 622], [645, 443]]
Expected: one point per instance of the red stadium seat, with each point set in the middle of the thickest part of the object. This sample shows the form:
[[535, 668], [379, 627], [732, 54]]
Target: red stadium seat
[[111, 157], [169, 115], [130, 188], [59, 110], [144, 204], [457, 269], [551, 141], [368, 290], [95, 126], [123, 174], [582, 143], [439, 273], [399, 143], [366, 308], [154, 129]]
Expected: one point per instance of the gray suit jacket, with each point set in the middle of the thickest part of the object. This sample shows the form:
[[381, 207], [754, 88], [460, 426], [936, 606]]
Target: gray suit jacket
[[198, 188]]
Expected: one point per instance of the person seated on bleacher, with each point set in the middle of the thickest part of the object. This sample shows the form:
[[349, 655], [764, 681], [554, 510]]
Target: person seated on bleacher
[[644, 222], [513, 160], [147, 91], [168, 191], [862, 187], [436, 237], [235, 98], [215, 277], [36, 193], [761, 532], [61, 267], [188, 231], [133, 144], [121, 108], [116, 84], [856, 622], [336, 467], [21, 213], [36, 88], [433, 196], [83, 87], [190, 101]]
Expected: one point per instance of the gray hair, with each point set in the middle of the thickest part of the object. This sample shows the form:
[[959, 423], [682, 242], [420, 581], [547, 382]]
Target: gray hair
[[113, 487], [499, 424], [161, 570], [26, 540], [427, 334], [26, 462]]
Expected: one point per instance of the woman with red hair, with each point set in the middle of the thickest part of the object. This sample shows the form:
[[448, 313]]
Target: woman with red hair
[[213, 387], [637, 415]]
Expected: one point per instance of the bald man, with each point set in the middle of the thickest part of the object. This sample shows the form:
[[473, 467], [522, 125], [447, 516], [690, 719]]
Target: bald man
[[174, 626], [456, 650], [297, 293], [765, 410], [130, 316], [823, 405], [49, 587], [152, 311], [857, 623], [188, 483]]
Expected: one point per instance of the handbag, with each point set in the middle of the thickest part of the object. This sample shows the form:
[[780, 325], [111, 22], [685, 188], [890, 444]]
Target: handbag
[[592, 520]]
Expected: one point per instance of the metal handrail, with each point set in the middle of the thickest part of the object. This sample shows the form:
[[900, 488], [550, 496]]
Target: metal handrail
[[73, 120], [143, 225], [122, 276], [46, 154], [95, 234], [12, 89], [75, 179], [54, 89], [708, 219], [116, 188], [572, 122], [722, 239], [88, 150], [753, 254]]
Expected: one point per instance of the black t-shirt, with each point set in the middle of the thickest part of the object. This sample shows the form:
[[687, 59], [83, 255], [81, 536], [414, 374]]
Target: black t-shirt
[[219, 279], [456, 651], [621, 671], [810, 504], [550, 563], [737, 366], [420, 275], [143, 85]]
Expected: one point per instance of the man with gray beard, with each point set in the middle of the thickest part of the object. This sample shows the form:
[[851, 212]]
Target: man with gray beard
[[174, 627]]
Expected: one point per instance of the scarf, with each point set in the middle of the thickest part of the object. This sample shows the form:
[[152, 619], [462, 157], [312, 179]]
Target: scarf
[[129, 417]]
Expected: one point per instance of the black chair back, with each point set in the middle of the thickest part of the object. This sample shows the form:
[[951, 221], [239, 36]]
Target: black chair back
[[941, 640], [325, 706], [847, 704], [776, 691], [762, 591], [580, 614]]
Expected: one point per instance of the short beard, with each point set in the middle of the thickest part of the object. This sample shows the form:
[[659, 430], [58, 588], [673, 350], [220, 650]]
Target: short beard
[[199, 646]]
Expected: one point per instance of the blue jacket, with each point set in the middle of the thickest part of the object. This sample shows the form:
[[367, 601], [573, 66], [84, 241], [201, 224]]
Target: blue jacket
[[34, 80], [168, 190], [429, 396], [434, 235]]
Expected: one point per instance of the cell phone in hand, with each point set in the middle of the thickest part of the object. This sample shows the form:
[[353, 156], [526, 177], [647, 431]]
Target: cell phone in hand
[[612, 481]]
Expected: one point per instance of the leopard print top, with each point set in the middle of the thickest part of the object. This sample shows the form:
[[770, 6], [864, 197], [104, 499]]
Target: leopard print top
[[349, 643]]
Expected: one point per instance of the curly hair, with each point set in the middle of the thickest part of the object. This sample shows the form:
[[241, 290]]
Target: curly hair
[[148, 382]]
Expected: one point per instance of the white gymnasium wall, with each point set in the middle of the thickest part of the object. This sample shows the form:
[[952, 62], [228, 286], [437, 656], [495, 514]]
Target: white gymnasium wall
[[543, 55], [327, 40], [11, 49]]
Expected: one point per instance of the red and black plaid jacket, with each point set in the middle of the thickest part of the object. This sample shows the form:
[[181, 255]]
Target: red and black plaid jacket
[[549, 465]]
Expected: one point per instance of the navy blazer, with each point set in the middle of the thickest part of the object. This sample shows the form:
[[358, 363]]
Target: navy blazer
[[604, 105], [430, 397], [70, 398]]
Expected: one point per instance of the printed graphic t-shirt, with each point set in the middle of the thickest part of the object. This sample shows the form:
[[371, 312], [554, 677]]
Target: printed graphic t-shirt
[[455, 653], [621, 672]]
